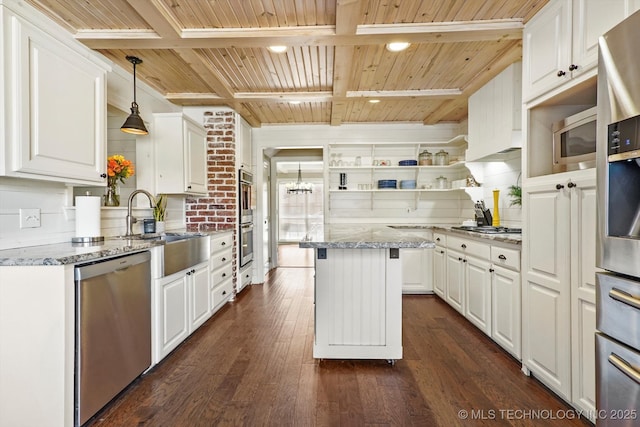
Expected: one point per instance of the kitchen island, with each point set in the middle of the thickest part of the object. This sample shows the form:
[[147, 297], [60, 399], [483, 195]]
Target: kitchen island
[[358, 290]]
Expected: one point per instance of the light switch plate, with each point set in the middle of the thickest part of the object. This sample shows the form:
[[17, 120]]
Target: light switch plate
[[29, 218]]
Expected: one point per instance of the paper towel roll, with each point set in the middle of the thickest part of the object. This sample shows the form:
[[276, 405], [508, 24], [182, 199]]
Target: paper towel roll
[[87, 217]]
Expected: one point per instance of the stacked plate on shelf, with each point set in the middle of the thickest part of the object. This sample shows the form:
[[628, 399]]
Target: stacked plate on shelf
[[387, 183], [408, 163], [408, 184]]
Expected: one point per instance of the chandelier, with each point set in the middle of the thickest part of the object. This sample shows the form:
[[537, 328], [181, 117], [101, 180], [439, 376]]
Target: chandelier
[[298, 186]]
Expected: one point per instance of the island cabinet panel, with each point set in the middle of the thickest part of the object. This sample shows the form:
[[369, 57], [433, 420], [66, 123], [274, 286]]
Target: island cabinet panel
[[358, 304]]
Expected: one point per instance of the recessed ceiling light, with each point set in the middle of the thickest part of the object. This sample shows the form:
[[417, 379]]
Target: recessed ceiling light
[[295, 102], [397, 46], [277, 49], [374, 101]]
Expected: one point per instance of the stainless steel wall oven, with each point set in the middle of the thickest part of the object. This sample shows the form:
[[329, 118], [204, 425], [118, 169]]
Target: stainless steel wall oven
[[245, 230], [618, 233]]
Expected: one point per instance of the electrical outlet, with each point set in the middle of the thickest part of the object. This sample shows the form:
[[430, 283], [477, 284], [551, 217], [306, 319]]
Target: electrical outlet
[[29, 218]]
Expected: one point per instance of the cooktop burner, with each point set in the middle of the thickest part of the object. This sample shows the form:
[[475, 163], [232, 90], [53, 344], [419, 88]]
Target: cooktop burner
[[487, 229]]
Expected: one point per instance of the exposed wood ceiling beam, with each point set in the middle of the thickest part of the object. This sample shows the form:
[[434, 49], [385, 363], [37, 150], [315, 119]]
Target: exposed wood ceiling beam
[[347, 18], [305, 36]]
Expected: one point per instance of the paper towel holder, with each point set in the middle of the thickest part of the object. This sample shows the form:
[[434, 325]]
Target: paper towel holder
[[86, 241]]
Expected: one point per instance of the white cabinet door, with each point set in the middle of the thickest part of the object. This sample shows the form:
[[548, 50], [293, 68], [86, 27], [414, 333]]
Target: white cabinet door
[[196, 158], [181, 154], [546, 341], [455, 280], [417, 265], [546, 49], [173, 312], [591, 19], [440, 272], [478, 292], [505, 309], [583, 293], [56, 109], [244, 137], [199, 296]]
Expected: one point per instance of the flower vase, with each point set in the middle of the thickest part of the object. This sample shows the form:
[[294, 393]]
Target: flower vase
[[112, 196], [160, 227]]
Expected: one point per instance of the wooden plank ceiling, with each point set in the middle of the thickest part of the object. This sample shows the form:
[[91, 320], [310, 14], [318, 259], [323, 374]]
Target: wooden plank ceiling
[[214, 52]]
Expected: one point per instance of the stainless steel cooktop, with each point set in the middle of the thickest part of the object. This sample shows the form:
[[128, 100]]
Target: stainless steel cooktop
[[487, 229]]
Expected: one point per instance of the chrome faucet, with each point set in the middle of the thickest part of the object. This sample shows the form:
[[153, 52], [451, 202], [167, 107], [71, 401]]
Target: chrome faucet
[[131, 219]]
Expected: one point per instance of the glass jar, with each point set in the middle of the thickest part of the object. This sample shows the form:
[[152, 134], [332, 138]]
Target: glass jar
[[442, 158], [442, 183], [425, 158]]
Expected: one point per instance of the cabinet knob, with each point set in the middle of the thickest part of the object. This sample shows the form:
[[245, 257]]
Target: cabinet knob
[[224, 274], [463, 246], [573, 67], [224, 259], [188, 273], [491, 270], [571, 184], [224, 292], [188, 187], [247, 276], [103, 175], [464, 260], [562, 73], [437, 239], [224, 243], [559, 186], [459, 259], [442, 252], [502, 257]]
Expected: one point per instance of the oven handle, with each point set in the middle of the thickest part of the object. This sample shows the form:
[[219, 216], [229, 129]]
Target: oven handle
[[625, 367], [624, 298]]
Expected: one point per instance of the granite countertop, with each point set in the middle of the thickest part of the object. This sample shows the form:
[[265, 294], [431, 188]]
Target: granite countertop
[[367, 236], [73, 253], [515, 239]]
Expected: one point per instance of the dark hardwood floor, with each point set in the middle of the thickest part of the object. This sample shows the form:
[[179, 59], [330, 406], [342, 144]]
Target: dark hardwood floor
[[251, 364]]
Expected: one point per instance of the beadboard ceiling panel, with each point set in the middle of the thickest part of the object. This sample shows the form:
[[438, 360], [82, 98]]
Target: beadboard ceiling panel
[[214, 52]]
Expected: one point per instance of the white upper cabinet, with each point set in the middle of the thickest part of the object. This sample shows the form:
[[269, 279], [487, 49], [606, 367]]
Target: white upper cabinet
[[561, 42], [495, 115], [244, 144], [180, 145], [54, 106]]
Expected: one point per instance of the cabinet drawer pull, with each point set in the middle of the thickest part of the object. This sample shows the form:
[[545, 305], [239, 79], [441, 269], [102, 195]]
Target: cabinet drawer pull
[[103, 175], [463, 246], [624, 298], [573, 67], [491, 270], [459, 259], [625, 367], [559, 186], [562, 73], [572, 184], [224, 259], [223, 243], [502, 257]]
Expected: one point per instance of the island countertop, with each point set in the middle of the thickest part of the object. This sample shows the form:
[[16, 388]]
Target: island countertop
[[367, 236]]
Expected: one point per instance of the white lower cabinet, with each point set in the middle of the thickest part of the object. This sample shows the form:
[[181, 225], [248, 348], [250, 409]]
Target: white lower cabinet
[[440, 271], [221, 270], [417, 263], [454, 290], [558, 299], [482, 282], [506, 322], [183, 305], [478, 292]]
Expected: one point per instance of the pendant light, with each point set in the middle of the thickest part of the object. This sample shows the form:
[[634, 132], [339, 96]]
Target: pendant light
[[134, 123], [299, 186]]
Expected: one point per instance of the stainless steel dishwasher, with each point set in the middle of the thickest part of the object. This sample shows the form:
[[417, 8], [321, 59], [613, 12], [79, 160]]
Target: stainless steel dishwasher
[[113, 329]]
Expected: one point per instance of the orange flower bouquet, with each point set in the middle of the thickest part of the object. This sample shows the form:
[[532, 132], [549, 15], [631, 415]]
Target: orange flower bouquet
[[118, 169]]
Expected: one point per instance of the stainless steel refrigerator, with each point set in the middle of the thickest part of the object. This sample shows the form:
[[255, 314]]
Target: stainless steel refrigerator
[[618, 233]]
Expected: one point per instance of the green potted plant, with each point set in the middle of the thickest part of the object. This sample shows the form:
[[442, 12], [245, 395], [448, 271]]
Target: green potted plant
[[160, 211]]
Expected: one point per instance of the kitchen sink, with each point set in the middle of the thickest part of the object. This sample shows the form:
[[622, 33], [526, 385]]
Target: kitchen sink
[[183, 251]]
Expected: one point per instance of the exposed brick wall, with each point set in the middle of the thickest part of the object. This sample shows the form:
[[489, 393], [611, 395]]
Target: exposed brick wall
[[219, 208]]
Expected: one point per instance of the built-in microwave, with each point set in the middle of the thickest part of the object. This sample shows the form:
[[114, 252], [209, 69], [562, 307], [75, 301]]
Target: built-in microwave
[[574, 142]]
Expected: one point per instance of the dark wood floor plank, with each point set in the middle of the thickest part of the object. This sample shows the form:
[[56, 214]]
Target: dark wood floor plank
[[251, 364]]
